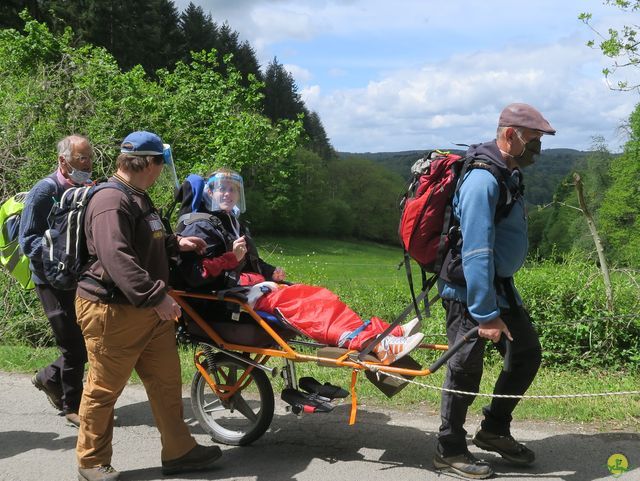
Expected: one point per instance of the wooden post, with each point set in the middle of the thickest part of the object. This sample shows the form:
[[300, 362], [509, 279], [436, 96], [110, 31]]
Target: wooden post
[[604, 267]]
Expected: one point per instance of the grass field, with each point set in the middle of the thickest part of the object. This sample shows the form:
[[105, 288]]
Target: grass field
[[366, 276]]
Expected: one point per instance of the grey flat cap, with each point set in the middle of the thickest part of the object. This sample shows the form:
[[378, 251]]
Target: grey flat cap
[[524, 115]]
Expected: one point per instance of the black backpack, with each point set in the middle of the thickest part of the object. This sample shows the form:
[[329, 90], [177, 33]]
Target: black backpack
[[64, 247]]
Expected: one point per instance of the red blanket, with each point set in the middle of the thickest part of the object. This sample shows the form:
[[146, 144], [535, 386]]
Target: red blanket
[[321, 315]]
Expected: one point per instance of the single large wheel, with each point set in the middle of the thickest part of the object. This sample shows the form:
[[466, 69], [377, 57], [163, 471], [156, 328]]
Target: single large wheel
[[242, 417]]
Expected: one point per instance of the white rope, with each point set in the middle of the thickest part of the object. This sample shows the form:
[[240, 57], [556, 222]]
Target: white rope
[[504, 396]]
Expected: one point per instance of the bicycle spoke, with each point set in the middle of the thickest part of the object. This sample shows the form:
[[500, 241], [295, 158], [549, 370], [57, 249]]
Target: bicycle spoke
[[243, 407], [213, 406]]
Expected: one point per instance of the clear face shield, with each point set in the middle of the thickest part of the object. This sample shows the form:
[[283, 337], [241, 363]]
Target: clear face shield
[[224, 191], [163, 190]]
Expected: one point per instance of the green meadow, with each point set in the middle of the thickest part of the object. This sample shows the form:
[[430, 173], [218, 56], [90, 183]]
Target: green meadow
[[366, 276]]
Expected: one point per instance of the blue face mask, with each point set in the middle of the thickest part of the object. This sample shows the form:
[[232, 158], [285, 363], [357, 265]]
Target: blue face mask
[[79, 177]]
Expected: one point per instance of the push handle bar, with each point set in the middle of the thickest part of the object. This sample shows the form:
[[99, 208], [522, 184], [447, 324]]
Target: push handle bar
[[472, 334], [506, 367], [469, 336]]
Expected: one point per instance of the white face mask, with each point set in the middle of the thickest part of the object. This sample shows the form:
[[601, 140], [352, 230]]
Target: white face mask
[[79, 177]]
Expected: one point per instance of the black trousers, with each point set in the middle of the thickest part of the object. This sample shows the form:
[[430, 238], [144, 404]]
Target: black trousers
[[464, 371], [68, 370]]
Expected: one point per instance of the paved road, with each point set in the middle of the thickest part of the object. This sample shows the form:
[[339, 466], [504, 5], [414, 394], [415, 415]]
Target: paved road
[[36, 445]]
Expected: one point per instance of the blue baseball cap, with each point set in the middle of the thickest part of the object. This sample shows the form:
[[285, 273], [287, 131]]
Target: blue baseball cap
[[142, 143]]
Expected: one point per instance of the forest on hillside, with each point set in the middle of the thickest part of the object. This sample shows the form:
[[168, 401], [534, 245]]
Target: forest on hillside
[[96, 68], [541, 179]]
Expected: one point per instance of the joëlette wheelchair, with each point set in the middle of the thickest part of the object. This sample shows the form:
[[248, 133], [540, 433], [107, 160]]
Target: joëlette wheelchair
[[231, 392]]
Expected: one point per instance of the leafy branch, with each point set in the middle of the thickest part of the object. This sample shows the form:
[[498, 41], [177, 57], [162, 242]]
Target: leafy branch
[[620, 45]]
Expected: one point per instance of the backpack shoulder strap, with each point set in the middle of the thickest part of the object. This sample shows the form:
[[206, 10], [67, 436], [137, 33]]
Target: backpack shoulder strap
[[113, 185], [58, 189], [508, 196], [498, 173], [123, 188]]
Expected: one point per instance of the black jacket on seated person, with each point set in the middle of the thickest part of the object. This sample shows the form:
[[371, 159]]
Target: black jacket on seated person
[[219, 230]]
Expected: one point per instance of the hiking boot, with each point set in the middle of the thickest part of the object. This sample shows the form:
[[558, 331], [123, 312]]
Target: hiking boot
[[198, 459], [392, 348], [53, 392], [410, 328], [505, 446], [465, 465], [72, 419], [99, 473]]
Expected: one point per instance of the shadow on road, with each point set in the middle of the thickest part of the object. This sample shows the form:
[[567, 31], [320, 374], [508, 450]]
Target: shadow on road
[[292, 444], [575, 457], [16, 442]]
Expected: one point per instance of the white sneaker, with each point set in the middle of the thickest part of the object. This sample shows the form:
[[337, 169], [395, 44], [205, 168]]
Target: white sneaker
[[411, 327], [392, 348]]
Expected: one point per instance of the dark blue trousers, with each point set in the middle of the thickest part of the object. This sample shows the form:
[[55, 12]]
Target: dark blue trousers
[[68, 370]]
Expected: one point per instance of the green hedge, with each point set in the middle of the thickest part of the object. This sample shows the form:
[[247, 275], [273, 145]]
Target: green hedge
[[567, 303], [566, 300], [22, 320]]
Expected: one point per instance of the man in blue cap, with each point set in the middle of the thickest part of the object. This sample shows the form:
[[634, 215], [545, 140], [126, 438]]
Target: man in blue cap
[[477, 289], [127, 317]]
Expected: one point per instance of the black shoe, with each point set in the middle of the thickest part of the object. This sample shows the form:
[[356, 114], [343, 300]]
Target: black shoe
[[99, 473], [305, 403], [198, 459], [325, 390], [465, 465], [505, 446], [53, 392]]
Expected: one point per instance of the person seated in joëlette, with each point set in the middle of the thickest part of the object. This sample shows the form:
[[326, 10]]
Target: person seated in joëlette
[[231, 259]]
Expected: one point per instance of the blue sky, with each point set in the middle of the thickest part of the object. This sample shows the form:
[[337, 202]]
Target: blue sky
[[416, 74]]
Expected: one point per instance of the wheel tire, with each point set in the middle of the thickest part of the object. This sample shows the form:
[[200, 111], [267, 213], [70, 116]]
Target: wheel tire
[[224, 421]]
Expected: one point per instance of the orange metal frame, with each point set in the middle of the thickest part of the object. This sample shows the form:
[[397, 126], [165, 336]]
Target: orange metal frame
[[284, 350]]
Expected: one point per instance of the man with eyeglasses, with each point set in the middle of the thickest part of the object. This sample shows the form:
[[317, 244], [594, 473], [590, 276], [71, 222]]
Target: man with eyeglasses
[[61, 380], [477, 289]]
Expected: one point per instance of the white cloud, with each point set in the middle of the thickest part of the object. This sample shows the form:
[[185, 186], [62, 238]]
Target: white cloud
[[301, 75], [310, 95], [416, 74], [459, 100]]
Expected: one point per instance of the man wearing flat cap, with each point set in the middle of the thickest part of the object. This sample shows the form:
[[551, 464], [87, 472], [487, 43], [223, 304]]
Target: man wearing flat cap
[[488, 247]]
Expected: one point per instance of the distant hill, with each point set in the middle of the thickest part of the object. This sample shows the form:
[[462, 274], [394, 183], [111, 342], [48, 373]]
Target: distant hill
[[541, 179]]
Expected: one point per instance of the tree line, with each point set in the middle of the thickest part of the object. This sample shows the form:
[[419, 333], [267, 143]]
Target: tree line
[[213, 115], [155, 35], [101, 69], [557, 229]]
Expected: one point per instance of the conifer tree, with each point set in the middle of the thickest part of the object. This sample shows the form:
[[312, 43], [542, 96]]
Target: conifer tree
[[198, 30], [282, 100], [318, 140]]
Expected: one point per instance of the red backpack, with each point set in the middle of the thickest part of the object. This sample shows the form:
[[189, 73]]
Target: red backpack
[[426, 208]]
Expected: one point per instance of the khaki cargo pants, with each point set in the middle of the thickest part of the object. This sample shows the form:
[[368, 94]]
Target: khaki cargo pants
[[121, 338]]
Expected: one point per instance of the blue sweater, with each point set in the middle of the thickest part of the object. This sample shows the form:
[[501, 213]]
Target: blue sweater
[[488, 249], [33, 223]]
